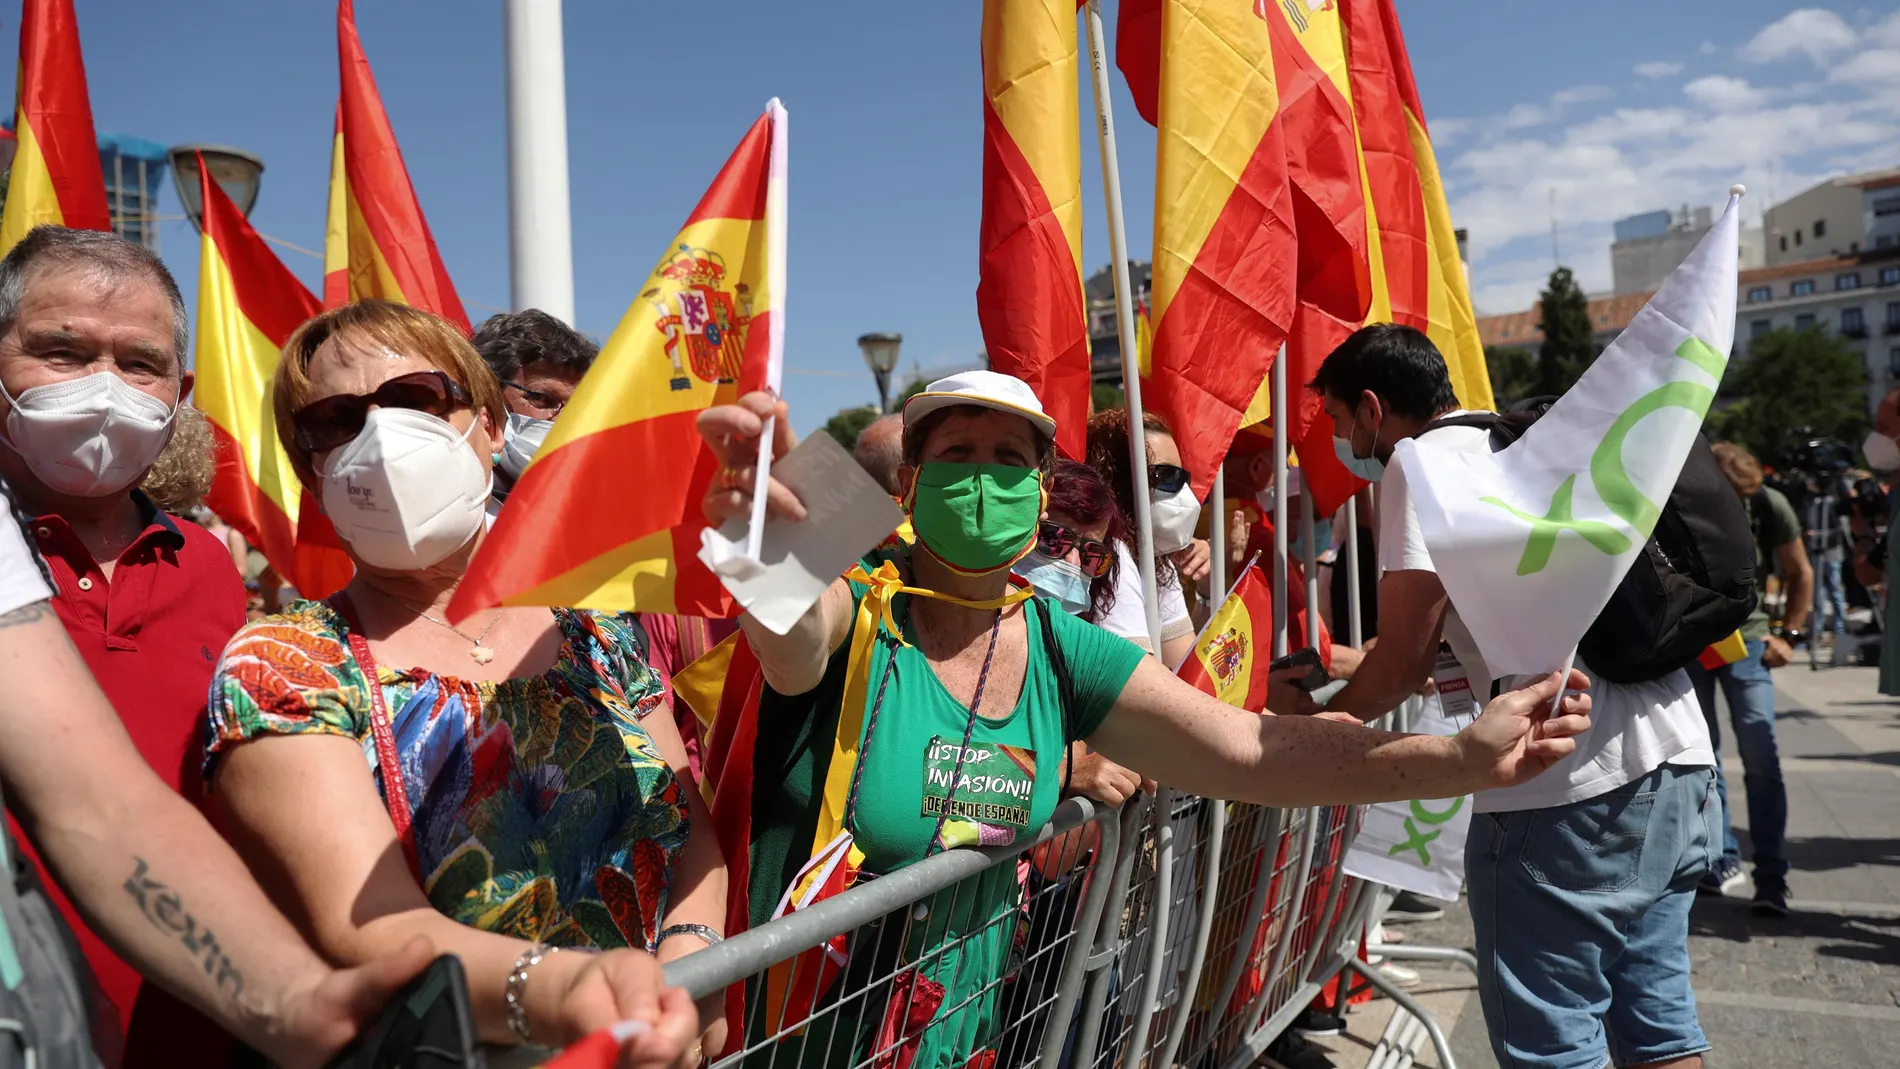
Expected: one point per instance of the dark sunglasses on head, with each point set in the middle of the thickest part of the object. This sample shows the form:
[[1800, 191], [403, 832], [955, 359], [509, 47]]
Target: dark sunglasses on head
[[1055, 541], [328, 423], [540, 400], [1166, 478]]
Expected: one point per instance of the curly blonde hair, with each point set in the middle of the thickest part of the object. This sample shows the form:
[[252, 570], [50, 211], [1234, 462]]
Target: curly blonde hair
[[181, 476]]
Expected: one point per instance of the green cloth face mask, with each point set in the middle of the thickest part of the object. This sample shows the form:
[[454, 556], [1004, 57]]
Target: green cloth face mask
[[976, 517]]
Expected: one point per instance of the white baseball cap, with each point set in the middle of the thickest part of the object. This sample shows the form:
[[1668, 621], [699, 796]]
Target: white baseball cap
[[984, 389]]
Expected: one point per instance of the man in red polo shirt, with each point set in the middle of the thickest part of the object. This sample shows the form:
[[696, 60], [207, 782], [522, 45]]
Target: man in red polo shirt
[[92, 372]]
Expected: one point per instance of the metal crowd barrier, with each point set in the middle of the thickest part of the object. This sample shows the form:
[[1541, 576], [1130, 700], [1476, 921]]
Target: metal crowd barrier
[[1177, 931]]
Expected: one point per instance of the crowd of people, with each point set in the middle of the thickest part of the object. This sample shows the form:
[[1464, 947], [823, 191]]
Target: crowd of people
[[322, 782]]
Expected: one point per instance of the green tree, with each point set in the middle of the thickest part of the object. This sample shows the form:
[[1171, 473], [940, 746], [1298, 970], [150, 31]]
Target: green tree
[[1569, 342], [1513, 374], [916, 387], [848, 424], [1106, 396], [1793, 386]]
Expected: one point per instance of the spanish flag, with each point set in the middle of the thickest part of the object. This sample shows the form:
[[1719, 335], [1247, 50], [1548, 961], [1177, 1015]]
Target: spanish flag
[[376, 244], [1423, 276], [56, 177], [1230, 658], [248, 304], [607, 515], [1225, 238], [1029, 277], [1341, 280]]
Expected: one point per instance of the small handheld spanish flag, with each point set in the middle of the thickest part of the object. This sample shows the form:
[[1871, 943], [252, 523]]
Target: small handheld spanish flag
[[1725, 652]]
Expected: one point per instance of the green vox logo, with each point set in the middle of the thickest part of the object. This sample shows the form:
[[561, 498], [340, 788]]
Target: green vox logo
[[1608, 476], [1420, 838]]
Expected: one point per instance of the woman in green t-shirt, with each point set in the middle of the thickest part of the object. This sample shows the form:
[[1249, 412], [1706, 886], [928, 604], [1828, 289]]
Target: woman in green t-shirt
[[958, 695]]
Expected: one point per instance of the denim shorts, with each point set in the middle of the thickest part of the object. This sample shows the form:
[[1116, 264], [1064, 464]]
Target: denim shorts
[[1582, 920]]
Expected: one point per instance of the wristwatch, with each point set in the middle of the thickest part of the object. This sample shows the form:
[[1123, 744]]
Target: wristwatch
[[1791, 636]]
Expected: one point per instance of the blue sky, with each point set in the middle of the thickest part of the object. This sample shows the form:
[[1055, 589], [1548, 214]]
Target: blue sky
[[1619, 105]]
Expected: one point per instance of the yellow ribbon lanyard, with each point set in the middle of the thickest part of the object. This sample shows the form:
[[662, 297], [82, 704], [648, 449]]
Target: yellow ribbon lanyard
[[874, 612]]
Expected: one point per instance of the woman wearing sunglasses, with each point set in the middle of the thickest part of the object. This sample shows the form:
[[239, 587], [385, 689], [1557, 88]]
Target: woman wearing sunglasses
[[1180, 558], [539, 807], [948, 695]]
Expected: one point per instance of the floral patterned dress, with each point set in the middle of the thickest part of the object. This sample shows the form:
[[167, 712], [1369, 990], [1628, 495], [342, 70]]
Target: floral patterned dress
[[541, 808]]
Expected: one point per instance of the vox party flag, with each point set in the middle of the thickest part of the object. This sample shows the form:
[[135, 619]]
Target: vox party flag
[[607, 515], [1531, 541]]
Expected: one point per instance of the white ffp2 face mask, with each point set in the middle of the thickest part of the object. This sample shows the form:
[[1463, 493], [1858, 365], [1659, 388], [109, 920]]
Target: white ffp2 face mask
[[406, 492], [1174, 518], [91, 436]]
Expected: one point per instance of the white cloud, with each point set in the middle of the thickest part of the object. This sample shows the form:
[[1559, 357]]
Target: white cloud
[[1719, 92], [1707, 49], [1810, 31], [1580, 94], [1445, 131], [1878, 66], [1778, 130], [1523, 115]]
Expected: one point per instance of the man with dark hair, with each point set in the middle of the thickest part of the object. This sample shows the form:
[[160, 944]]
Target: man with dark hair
[[92, 381], [538, 358], [1749, 688], [1581, 882], [540, 362]]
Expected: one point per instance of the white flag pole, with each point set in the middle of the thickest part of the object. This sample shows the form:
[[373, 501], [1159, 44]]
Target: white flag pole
[[1217, 539], [1125, 320], [1309, 560], [1355, 627], [775, 207], [1280, 643]]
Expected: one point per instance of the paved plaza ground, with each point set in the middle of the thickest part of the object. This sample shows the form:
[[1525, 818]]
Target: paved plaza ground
[[1820, 988]]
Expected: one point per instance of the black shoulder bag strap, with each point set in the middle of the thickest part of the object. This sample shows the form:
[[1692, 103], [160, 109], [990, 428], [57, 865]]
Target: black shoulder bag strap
[[1065, 686]]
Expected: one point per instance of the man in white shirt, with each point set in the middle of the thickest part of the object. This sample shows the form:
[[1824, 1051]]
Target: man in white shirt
[[1580, 882]]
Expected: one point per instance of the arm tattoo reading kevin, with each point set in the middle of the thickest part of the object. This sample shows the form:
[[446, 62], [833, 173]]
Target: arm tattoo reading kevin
[[25, 614], [166, 912]]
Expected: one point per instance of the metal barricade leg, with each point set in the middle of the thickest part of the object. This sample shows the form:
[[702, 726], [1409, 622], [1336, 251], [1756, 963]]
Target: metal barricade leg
[[1108, 936], [1204, 928], [1285, 942], [1077, 965], [1162, 812], [1410, 1005]]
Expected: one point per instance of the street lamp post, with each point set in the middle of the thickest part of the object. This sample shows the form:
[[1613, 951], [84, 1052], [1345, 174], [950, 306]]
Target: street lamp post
[[237, 172], [880, 355]]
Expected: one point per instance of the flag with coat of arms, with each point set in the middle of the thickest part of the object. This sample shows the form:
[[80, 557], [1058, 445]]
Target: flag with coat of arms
[[1531, 541]]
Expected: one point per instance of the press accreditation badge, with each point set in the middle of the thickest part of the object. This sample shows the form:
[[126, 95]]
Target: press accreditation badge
[[1455, 700]]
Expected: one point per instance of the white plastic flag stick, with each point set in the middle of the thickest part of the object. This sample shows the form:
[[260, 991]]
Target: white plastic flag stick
[[775, 204], [1280, 643], [1309, 561], [1217, 538], [1125, 321], [1355, 627]]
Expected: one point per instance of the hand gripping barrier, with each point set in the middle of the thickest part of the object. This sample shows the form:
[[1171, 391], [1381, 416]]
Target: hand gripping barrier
[[1178, 931]]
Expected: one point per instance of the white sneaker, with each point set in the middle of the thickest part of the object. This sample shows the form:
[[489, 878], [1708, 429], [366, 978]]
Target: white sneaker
[[1388, 935], [1397, 975]]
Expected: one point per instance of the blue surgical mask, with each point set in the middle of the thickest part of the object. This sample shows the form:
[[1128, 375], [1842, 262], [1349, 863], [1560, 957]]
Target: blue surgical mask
[[1057, 580], [1322, 538], [1371, 469]]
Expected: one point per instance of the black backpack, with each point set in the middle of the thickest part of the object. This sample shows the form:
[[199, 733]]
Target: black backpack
[[1694, 583]]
